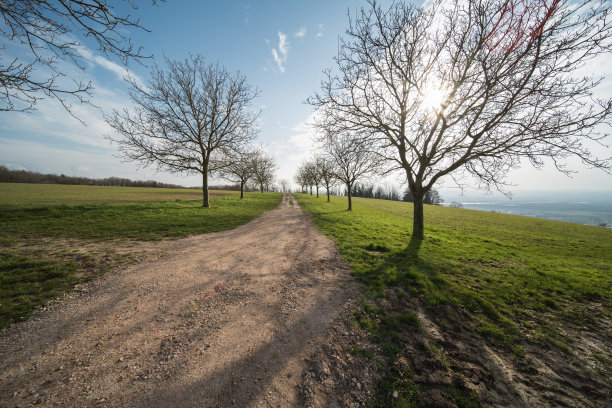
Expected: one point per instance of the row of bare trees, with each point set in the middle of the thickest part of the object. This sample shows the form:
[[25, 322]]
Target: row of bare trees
[[455, 90], [191, 118], [343, 159], [251, 165]]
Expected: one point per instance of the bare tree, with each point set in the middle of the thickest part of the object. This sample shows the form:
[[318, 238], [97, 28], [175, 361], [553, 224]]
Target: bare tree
[[472, 86], [304, 176], [240, 168], [327, 172], [352, 159], [46, 31], [263, 170], [301, 178], [284, 185], [313, 175], [185, 116]]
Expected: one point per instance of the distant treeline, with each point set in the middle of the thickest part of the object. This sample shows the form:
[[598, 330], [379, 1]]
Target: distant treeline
[[24, 176]]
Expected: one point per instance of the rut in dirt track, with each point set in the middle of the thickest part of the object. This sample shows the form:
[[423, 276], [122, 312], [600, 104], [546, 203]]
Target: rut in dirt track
[[223, 319]]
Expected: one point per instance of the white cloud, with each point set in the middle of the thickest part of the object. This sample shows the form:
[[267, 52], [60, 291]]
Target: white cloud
[[301, 33], [297, 147], [280, 55], [283, 44], [320, 28], [120, 71]]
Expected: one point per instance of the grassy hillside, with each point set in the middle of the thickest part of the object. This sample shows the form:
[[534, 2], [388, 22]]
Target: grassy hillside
[[54, 236], [523, 281], [509, 269]]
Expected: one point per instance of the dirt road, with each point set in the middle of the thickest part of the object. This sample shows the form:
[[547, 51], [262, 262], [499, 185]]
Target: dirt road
[[223, 319]]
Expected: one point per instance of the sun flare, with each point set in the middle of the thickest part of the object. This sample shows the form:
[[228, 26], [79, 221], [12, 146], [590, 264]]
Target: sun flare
[[433, 98]]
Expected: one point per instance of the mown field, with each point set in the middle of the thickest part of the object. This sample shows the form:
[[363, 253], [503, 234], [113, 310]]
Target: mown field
[[522, 280], [55, 236], [25, 195]]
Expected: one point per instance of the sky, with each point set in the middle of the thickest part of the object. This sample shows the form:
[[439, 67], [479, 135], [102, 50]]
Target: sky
[[281, 47]]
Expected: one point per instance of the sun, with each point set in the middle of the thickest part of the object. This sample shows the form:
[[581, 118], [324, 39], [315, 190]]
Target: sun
[[433, 98]]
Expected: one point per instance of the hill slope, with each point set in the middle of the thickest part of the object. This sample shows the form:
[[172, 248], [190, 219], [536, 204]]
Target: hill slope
[[489, 307]]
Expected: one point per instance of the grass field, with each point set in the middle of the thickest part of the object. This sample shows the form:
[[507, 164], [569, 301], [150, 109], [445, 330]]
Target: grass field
[[520, 277], [525, 283], [24, 195], [47, 230]]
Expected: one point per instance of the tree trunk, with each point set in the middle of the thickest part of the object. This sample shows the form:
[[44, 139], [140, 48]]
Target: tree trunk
[[310, 190], [261, 187], [206, 203], [418, 230], [317, 191], [350, 201], [328, 193], [241, 189]]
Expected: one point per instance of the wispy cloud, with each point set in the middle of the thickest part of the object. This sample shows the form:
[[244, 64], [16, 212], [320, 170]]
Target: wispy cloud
[[246, 11], [120, 71], [320, 28], [280, 55], [301, 33]]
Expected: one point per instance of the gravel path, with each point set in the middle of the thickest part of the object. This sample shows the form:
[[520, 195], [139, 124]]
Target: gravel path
[[223, 319]]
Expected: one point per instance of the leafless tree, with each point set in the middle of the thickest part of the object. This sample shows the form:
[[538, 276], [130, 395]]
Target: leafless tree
[[313, 175], [327, 172], [352, 159], [240, 167], [46, 32], [304, 176], [284, 185], [471, 87], [301, 178], [263, 171], [187, 119]]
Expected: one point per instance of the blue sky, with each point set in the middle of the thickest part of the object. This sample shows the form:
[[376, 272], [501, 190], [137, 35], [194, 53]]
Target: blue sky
[[280, 46]]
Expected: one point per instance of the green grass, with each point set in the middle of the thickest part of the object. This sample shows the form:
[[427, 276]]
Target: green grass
[[519, 277], [24, 195], [522, 279], [32, 272], [26, 283], [139, 221]]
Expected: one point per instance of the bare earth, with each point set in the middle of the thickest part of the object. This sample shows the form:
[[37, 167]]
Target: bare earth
[[223, 319]]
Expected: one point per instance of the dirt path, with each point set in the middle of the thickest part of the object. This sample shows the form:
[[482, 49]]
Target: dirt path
[[224, 319]]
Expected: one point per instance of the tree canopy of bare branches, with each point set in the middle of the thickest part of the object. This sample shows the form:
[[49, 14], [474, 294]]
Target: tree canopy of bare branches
[[240, 167], [312, 175], [351, 159], [263, 170], [327, 172], [471, 87], [301, 178], [48, 30], [187, 119]]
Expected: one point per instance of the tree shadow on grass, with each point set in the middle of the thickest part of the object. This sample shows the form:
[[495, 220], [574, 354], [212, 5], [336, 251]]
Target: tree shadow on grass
[[405, 268]]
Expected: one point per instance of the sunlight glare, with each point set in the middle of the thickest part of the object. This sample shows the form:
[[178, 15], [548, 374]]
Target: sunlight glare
[[433, 98]]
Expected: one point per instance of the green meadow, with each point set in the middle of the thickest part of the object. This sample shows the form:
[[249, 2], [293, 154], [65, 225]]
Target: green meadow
[[36, 219], [25, 195], [520, 278]]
